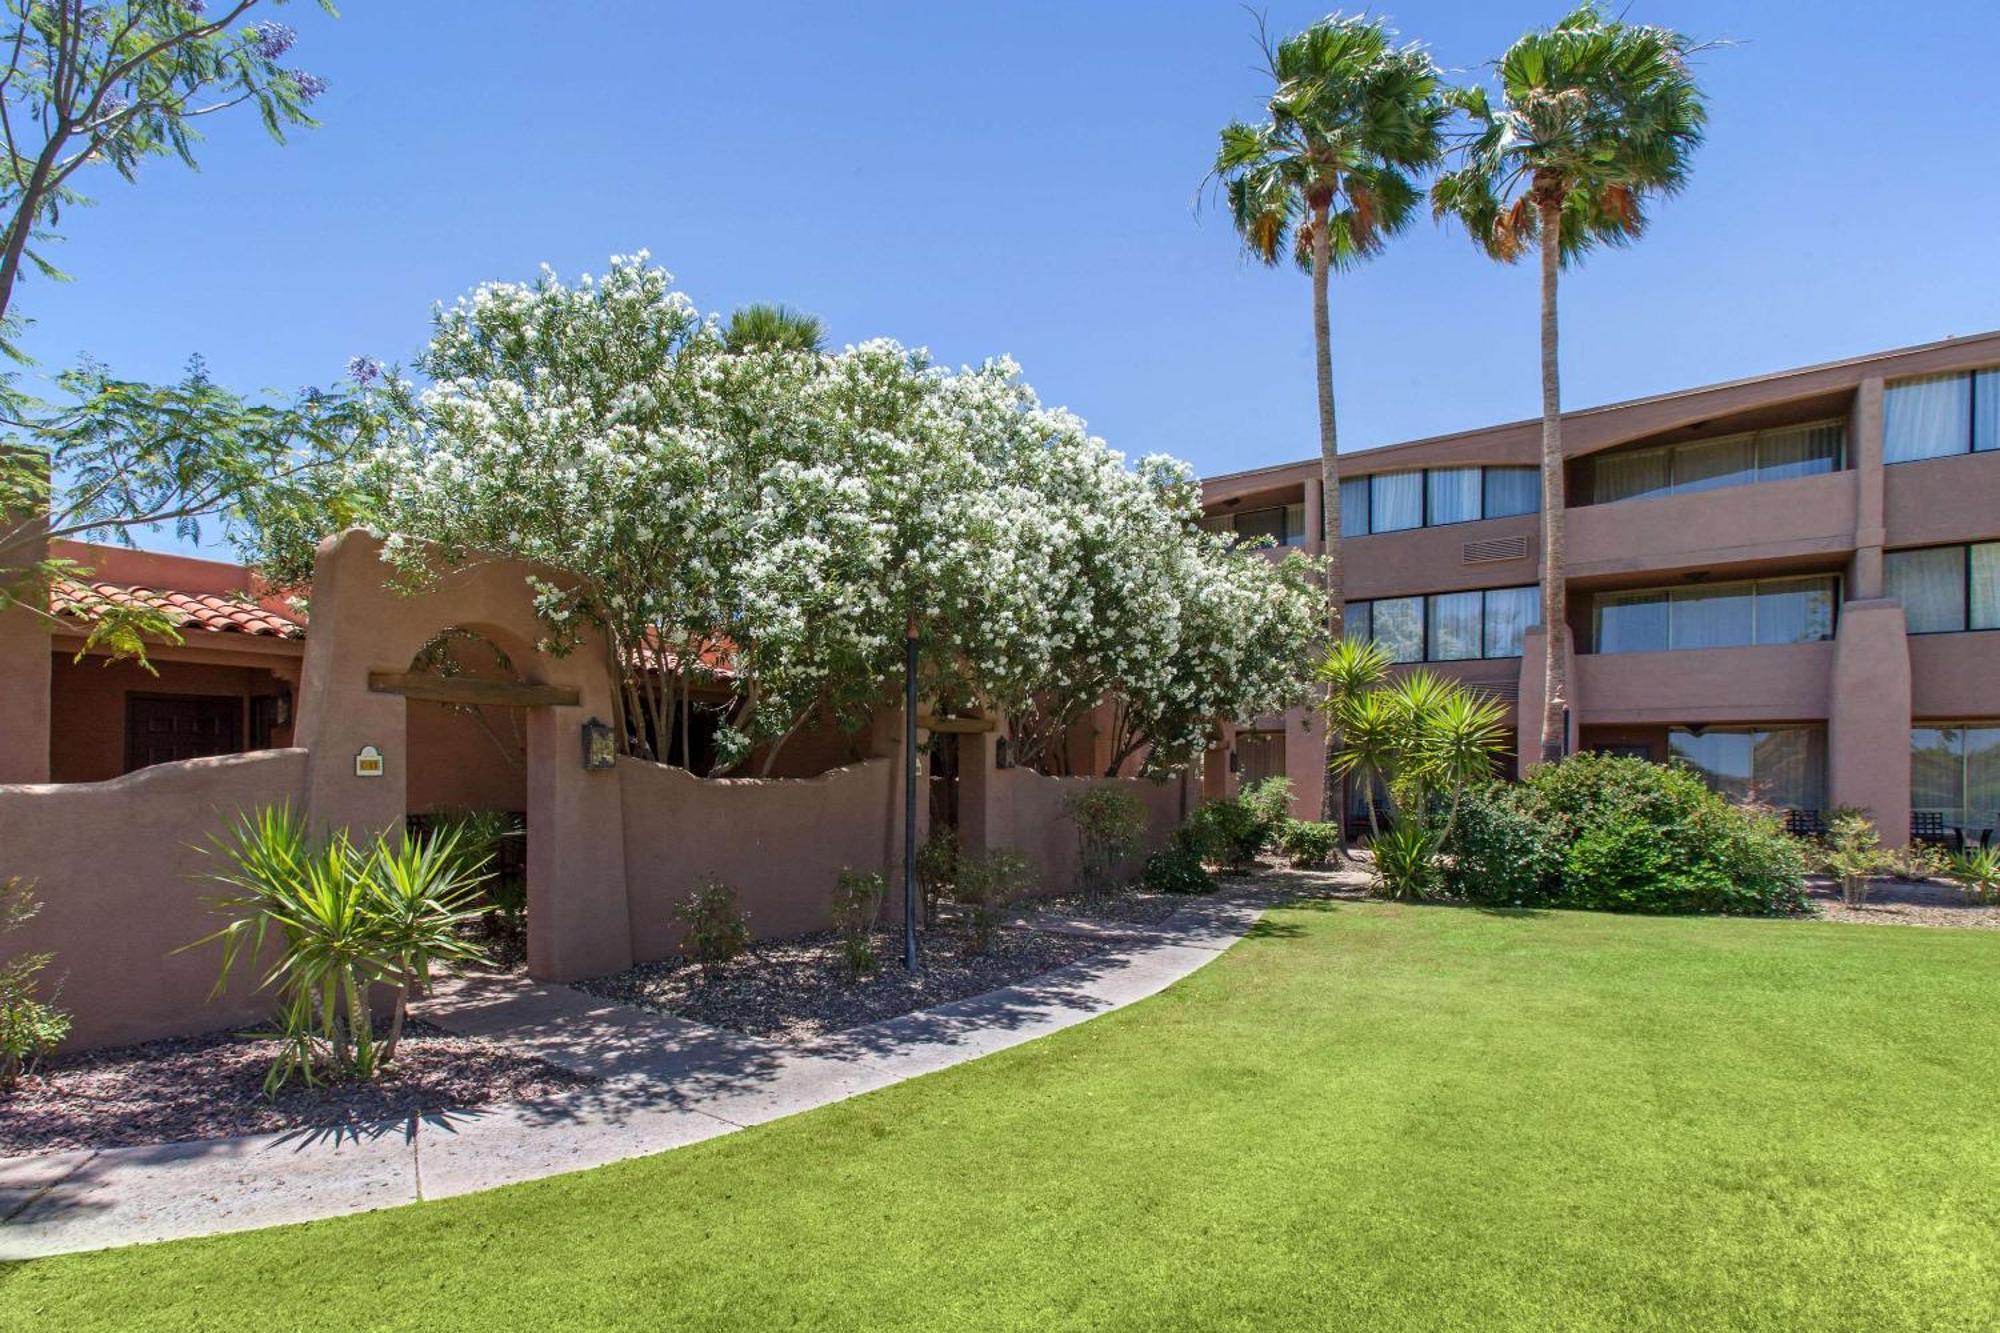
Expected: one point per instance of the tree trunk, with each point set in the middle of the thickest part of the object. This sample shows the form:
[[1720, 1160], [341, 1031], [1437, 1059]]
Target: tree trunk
[[1329, 500], [1555, 593]]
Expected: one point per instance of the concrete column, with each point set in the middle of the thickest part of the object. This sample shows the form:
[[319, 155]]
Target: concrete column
[[981, 818], [1305, 760], [1864, 443], [1315, 516], [1216, 779], [24, 697], [1868, 731]]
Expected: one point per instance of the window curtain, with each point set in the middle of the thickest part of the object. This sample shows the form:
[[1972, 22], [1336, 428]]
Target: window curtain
[[1355, 622], [1795, 610], [1800, 451], [1509, 612], [1455, 494], [1937, 770], [1256, 524], [1295, 525], [1354, 507], [1628, 476], [1930, 584], [1788, 768], [1397, 501], [1632, 622], [1927, 418], [1516, 490], [1712, 617], [1714, 464], [1455, 632], [1982, 778], [1399, 627], [1986, 410], [1984, 613], [1722, 758]]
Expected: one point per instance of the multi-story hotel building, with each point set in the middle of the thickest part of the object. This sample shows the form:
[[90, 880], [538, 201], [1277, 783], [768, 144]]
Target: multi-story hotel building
[[1789, 582]]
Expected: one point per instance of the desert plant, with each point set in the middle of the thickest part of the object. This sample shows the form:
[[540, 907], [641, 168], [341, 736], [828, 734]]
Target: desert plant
[[988, 883], [1175, 869], [714, 929], [1919, 861], [857, 903], [480, 836], [1222, 832], [1109, 823], [1977, 871], [1307, 843], [937, 869], [349, 917], [1269, 801], [1406, 862], [30, 1027], [1854, 855]]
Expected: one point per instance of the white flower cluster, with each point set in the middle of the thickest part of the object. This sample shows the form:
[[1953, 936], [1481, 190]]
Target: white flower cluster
[[790, 511]]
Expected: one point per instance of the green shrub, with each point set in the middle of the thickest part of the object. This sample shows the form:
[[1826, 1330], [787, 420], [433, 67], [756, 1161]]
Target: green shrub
[[30, 1027], [1499, 856], [1406, 862], [1109, 823], [1307, 843], [987, 886], [715, 928], [1611, 833], [1223, 832], [857, 904], [351, 917], [937, 869], [1977, 871], [1269, 802], [480, 836], [1175, 869]]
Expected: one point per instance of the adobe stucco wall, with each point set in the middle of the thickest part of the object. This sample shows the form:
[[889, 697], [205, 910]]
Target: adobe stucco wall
[[1026, 813], [779, 842], [119, 870]]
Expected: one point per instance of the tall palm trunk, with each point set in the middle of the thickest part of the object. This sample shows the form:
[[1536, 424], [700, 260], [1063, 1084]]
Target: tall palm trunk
[[1329, 485], [1555, 594]]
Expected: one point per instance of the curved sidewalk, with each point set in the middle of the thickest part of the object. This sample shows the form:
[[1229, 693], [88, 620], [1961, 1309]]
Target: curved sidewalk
[[666, 1082]]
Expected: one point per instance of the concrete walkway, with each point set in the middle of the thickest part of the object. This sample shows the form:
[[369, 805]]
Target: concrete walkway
[[666, 1082]]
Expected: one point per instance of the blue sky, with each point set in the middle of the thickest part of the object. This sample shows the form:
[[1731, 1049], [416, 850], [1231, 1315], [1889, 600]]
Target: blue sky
[[1020, 178]]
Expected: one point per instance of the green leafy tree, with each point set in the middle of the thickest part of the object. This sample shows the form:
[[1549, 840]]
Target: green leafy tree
[[1595, 117], [776, 328], [1353, 119]]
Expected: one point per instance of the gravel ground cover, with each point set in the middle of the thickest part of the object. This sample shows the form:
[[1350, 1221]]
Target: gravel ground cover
[[1893, 902], [212, 1087], [799, 989]]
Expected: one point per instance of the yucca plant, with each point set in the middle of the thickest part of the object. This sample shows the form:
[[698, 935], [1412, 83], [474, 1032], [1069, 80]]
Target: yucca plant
[[1406, 867], [1977, 871], [420, 891]]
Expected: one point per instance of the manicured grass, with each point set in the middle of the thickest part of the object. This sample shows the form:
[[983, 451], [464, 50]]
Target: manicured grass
[[1364, 1116]]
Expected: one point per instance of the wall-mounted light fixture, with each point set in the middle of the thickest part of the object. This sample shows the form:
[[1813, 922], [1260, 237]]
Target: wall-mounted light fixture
[[598, 751]]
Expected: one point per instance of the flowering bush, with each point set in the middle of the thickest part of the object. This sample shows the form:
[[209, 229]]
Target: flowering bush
[[1109, 824], [788, 512]]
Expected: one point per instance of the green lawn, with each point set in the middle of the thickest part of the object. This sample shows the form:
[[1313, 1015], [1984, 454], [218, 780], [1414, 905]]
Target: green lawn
[[1365, 1115]]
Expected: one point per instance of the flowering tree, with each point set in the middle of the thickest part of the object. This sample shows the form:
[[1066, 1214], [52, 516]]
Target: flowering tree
[[759, 527]]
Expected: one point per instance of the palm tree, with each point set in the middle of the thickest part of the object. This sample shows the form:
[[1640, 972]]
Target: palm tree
[[1353, 118], [774, 328], [1595, 116]]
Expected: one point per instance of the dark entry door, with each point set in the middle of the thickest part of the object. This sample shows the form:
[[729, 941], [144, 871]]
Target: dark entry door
[[160, 728]]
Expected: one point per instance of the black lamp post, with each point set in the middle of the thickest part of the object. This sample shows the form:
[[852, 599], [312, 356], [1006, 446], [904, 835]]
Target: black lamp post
[[910, 794]]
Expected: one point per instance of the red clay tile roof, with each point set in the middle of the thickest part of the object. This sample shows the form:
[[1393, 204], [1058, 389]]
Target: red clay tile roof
[[193, 611]]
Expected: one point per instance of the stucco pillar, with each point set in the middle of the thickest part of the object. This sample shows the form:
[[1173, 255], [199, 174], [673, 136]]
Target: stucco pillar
[[1864, 442], [1305, 760], [336, 714], [24, 697], [1528, 710], [1868, 729], [980, 792], [1315, 516]]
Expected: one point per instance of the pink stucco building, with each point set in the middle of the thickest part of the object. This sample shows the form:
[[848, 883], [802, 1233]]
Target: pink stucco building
[[1787, 581]]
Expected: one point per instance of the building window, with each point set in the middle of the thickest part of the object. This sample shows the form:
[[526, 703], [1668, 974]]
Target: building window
[[1941, 415], [1706, 465], [1436, 497], [1945, 589], [1722, 615], [1447, 627], [1284, 525], [1955, 772], [1780, 766]]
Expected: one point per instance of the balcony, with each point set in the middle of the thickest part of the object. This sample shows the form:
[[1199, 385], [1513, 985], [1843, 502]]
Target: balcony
[[1774, 521], [1770, 682]]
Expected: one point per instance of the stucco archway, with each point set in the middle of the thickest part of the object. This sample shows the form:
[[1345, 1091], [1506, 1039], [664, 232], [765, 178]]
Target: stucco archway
[[578, 917]]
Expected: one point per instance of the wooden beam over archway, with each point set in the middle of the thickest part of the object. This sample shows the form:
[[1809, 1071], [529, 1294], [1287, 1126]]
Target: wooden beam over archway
[[430, 688]]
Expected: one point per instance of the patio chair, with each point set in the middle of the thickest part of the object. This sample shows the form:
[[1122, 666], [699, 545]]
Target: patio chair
[[1928, 826], [1804, 823]]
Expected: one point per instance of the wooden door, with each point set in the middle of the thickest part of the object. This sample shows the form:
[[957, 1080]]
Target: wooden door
[[162, 728]]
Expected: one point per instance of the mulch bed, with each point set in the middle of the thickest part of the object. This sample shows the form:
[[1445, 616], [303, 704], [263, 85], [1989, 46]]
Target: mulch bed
[[1133, 907], [212, 1087], [1894, 902], [800, 989]]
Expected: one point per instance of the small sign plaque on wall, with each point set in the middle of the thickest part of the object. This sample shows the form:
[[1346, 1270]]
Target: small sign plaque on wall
[[368, 763]]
